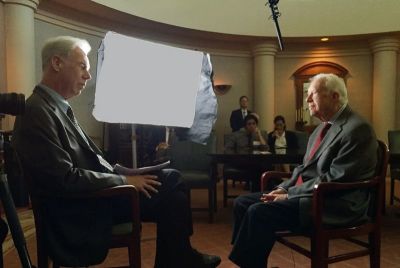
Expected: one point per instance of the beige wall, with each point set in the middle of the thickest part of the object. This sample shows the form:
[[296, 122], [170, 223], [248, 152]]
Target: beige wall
[[397, 119], [238, 72], [2, 50], [235, 68]]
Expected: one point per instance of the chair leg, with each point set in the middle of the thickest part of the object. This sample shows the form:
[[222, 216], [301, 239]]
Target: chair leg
[[391, 189], [134, 258], [225, 191], [211, 205], [320, 251], [215, 198], [375, 250]]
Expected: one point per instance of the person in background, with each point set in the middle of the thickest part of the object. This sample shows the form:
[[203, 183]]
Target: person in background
[[246, 141], [343, 148], [237, 116], [281, 140], [63, 160]]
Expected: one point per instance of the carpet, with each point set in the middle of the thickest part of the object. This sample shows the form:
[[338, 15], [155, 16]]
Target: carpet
[[28, 227]]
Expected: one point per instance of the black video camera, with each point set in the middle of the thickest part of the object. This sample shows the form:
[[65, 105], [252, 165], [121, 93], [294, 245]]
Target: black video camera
[[12, 103]]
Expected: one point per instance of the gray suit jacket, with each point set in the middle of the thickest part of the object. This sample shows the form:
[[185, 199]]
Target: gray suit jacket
[[348, 153], [61, 162]]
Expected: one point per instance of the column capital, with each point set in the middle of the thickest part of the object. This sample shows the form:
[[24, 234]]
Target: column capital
[[385, 44], [265, 48], [29, 3]]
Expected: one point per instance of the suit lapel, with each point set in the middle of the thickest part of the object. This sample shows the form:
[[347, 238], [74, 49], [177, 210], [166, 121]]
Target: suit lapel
[[68, 125], [330, 137]]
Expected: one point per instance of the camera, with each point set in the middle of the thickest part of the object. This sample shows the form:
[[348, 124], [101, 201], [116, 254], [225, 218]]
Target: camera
[[12, 103]]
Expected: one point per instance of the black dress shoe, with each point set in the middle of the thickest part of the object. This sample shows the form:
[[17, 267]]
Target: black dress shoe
[[202, 260]]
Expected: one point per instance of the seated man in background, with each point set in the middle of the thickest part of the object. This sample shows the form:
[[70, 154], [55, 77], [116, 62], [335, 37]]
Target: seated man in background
[[62, 160], [280, 140], [342, 149], [238, 116], [249, 140]]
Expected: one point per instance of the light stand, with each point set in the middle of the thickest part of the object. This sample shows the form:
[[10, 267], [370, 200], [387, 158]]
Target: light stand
[[11, 214]]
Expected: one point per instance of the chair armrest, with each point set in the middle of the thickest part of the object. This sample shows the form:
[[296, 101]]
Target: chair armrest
[[266, 176], [324, 188]]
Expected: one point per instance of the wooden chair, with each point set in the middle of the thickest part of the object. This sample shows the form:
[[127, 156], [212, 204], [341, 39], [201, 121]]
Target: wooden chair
[[194, 163], [123, 235], [233, 173], [320, 235], [394, 148]]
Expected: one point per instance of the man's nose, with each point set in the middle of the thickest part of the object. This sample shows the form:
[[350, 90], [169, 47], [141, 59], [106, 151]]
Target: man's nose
[[88, 76]]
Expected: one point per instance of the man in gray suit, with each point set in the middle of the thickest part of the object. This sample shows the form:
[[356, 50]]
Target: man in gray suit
[[62, 159], [346, 153]]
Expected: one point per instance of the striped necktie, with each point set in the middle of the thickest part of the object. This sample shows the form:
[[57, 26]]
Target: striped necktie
[[71, 116], [102, 161]]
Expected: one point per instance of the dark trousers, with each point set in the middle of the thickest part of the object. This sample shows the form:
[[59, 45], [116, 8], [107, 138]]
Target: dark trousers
[[170, 209], [255, 224]]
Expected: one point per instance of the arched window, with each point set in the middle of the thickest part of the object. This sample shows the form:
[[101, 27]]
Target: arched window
[[301, 79]]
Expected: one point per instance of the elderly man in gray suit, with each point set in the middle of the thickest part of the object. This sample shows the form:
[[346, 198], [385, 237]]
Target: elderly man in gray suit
[[342, 149]]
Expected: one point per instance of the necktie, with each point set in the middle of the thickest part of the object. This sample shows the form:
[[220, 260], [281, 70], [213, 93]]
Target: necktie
[[316, 144], [71, 116], [102, 161], [244, 113]]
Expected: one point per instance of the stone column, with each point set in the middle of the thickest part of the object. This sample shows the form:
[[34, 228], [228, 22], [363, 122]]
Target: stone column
[[264, 83], [384, 85], [19, 43]]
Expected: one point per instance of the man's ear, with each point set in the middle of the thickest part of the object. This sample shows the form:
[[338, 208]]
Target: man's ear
[[56, 63], [335, 96]]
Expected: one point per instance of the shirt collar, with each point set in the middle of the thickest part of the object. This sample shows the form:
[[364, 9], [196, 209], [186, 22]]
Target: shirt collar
[[60, 101], [337, 114]]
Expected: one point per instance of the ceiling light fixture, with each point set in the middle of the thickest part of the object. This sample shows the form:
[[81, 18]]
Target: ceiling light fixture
[[324, 39]]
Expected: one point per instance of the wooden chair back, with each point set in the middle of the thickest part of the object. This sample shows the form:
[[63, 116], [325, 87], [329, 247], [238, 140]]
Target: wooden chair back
[[129, 238], [394, 150], [194, 162]]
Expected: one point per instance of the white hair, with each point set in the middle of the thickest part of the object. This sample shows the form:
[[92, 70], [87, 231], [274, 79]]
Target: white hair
[[333, 83], [62, 46]]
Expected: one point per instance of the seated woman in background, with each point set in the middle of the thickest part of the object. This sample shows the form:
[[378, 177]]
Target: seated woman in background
[[280, 140]]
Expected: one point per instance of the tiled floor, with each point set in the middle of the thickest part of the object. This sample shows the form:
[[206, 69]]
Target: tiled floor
[[214, 238]]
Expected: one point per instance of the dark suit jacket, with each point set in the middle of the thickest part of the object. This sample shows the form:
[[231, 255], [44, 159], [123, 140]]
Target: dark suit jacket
[[237, 120], [291, 141], [348, 153], [61, 162]]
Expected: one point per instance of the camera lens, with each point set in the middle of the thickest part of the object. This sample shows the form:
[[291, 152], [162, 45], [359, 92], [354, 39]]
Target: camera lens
[[12, 103]]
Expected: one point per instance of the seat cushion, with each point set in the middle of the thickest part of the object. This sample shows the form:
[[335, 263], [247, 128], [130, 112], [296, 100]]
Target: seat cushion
[[122, 228], [195, 178], [231, 172]]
